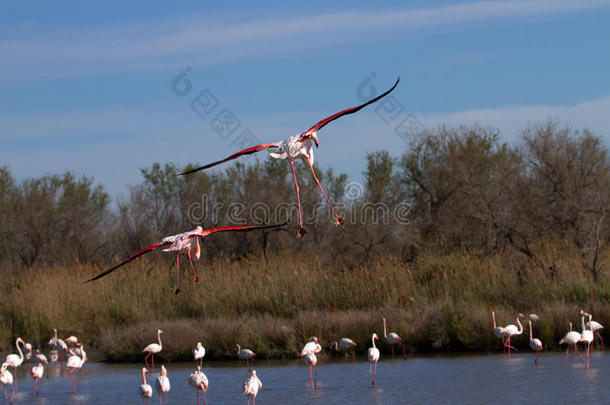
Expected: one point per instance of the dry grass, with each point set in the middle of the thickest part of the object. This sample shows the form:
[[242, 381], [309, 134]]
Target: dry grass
[[273, 305]]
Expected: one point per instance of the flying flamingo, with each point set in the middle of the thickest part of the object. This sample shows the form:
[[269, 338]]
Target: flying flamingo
[[296, 147], [186, 240], [162, 385], [41, 358], [596, 327], [392, 338], [75, 363], [311, 361], [6, 378], [199, 382], [153, 349], [199, 353], [373, 355], [587, 335], [571, 339], [245, 354], [251, 387], [344, 345], [36, 374], [512, 330], [535, 344], [498, 331], [15, 361], [145, 389]]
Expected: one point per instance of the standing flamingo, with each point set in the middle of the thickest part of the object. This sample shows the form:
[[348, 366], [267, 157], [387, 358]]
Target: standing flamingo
[[596, 327], [587, 335], [571, 339], [535, 344], [296, 147], [498, 331], [41, 358], [153, 349], [162, 385], [311, 361], [75, 363], [59, 345], [373, 355], [145, 389], [393, 339], [252, 386], [199, 382], [27, 351], [36, 374], [186, 240], [6, 378], [512, 330], [344, 345], [15, 361], [199, 353], [245, 354], [312, 346]]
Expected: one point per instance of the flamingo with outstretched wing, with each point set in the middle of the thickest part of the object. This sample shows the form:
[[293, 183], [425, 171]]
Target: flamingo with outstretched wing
[[186, 240], [299, 147]]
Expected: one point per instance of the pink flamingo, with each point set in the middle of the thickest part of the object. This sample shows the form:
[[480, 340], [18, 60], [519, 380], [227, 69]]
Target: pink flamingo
[[186, 240], [75, 363], [41, 358], [36, 374], [15, 361], [199, 381], [162, 385], [596, 327], [512, 330], [245, 354], [344, 345], [252, 386], [373, 355], [153, 349], [393, 339], [296, 147], [6, 378], [587, 335], [311, 361], [199, 353], [571, 339], [498, 331], [145, 389], [535, 344]]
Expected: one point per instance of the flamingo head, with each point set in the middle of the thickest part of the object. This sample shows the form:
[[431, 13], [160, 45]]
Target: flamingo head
[[313, 339], [145, 370], [520, 315], [160, 331], [375, 336], [163, 371], [314, 136]]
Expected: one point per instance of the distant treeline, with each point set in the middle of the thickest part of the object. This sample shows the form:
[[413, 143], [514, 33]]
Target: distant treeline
[[452, 188]]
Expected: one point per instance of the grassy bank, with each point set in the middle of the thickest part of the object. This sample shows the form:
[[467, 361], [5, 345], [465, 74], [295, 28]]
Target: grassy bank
[[272, 305]]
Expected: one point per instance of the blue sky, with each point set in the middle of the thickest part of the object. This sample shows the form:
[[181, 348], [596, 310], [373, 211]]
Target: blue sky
[[87, 86]]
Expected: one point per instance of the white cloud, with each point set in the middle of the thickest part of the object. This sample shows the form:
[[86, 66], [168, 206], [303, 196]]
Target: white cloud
[[204, 41]]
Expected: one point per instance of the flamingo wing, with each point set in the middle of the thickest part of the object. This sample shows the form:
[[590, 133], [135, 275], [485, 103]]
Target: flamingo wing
[[206, 232], [248, 151], [347, 111], [148, 249]]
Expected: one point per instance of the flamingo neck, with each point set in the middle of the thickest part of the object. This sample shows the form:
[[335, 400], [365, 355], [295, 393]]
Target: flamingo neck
[[238, 348], [531, 337], [143, 377], [493, 316], [582, 319], [373, 340], [19, 349], [159, 337], [385, 335], [520, 331], [591, 323]]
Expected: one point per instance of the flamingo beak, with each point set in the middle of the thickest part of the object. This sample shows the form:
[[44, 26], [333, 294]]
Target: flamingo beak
[[314, 136]]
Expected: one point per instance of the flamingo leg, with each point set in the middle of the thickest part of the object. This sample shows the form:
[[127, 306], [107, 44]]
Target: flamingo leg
[[601, 340], [204, 399], [577, 352], [310, 377], [375, 377], [36, 385], [16, 387], [188, 253], [152, 358], [338, 220], [315, 380], [146, 359], [177, 290], [588, 350], [302, 230]]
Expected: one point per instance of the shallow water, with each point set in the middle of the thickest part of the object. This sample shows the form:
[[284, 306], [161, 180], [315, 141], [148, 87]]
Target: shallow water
[[489, 379]]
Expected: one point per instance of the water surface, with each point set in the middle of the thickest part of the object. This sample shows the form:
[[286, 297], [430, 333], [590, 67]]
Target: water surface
[[487, 379]]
